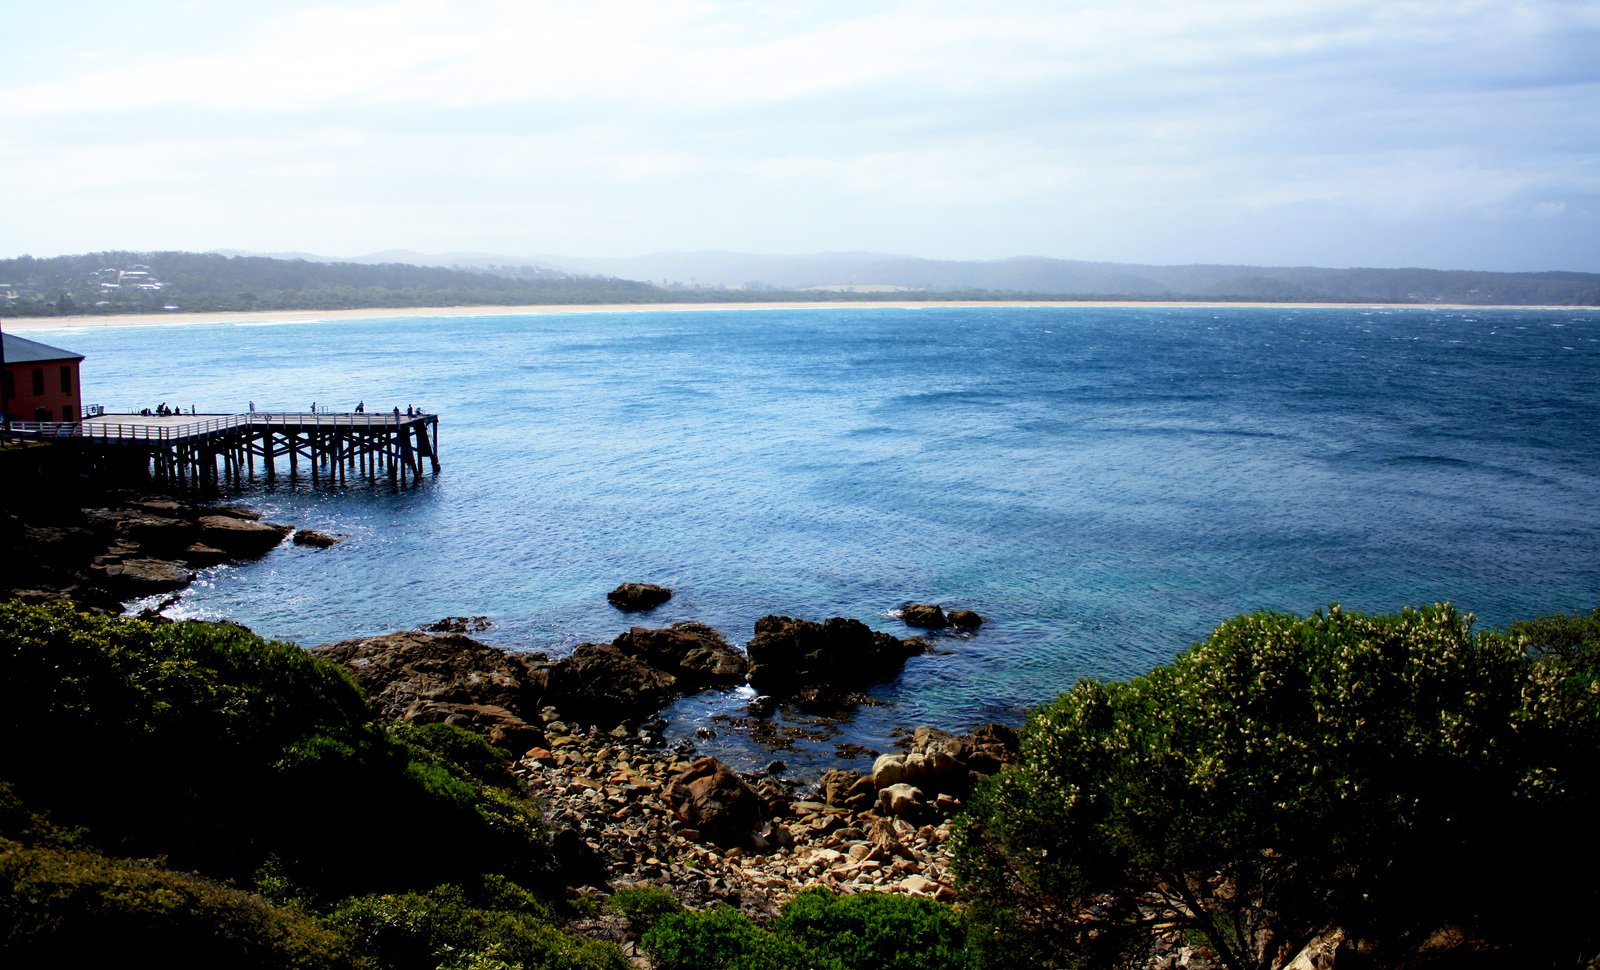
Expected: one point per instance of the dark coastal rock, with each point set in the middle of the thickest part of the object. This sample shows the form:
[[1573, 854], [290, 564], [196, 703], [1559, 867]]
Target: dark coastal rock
[[142, 577], [156, 533], [965, 620], [990, 748], [201, 555], [929, 616], [599, 684], [638, 597], [315, 539], [790, 656], [694, 653], [714, 802], [411, 675], [235, 512], [459, 624], [238, 537]]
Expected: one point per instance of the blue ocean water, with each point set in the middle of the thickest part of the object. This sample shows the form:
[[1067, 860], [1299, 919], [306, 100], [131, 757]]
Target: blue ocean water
[[1105, 485]]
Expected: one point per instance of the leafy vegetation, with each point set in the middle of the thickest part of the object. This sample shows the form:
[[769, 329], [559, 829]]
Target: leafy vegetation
[[72, 908], [817, 930], [238, 751], [443, 928], [1392, 776], [202, 747]]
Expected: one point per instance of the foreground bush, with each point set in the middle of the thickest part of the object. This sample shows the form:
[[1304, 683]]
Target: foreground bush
[[70, 908], [817, 930], [442, 928], [1387, 775], [225, 753]]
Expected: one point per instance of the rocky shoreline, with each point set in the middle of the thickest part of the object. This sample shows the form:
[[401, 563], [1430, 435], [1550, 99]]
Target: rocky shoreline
[[628, 808], [116, 548]]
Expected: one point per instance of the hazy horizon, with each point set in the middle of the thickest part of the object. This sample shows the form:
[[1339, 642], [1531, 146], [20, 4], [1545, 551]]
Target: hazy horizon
[[1455, 135]]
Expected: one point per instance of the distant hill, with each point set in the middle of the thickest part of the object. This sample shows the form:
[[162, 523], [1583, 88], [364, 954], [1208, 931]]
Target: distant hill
[[1077, 278], [129, 282]]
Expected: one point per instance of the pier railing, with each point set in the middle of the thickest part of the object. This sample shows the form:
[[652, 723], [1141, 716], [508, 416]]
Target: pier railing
[[136, 430], [207, 450]]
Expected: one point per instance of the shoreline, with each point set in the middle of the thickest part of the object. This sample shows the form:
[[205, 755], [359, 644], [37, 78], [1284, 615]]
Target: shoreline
[[90, 322]]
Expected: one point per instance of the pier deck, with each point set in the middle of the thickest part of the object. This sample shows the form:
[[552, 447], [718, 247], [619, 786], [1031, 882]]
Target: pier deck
[[205, 450]]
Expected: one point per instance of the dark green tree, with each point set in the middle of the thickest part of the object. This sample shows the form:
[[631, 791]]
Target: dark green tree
[[1388, 776]]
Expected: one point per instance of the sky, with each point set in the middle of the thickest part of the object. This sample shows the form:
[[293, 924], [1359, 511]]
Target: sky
[[1453, 134]]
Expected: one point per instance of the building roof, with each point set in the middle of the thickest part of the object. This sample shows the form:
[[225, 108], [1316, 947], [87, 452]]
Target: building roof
[[21, 350]]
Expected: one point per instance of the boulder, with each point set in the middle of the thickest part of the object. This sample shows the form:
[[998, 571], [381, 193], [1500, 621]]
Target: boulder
[[964, 620], [600, 684], [989, 748], [710, 799], [141, 577], [399, 670], [942, 763], [637, 597], [155, 533], [902, 801], [847, 789], [240, 538], [459, 624], [929, 616], [788, 656], [694, 653], [315, 539], [201, 555]]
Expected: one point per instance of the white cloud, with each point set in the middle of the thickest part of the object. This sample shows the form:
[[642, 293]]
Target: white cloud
[[632, 127]]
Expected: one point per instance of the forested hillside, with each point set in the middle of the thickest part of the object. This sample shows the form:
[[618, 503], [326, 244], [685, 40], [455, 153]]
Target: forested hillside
[[130, 282], [126, 282]]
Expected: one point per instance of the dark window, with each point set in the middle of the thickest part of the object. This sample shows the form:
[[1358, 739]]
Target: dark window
[[8, 386], [66, 380], [66, 411], [38, 381]]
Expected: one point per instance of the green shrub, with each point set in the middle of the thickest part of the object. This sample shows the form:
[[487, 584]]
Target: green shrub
[[644, 905], [441, 928], [722, 938], [1387, 774], [875, 931], [817, 930], [233, 751], [69, 908]]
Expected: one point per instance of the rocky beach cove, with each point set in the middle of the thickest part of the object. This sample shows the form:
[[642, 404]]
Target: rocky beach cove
[[628, 807]]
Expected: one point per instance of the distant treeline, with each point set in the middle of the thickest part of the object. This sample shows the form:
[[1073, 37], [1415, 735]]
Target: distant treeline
[[130, 282], [63, 285]]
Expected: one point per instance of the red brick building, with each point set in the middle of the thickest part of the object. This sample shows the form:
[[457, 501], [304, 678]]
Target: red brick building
[[40, 382]]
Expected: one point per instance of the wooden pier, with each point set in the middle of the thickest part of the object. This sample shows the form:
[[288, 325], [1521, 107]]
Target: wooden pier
[[210, 451]]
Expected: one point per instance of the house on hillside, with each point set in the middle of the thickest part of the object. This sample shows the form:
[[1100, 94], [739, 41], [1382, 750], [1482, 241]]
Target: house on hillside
[[40, 382]]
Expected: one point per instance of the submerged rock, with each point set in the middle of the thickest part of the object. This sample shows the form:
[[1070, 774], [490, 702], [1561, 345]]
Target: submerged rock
[[790, 656], [929, 616], [315, 539], [459, 624], [694, 653], [600, 684], [965, 620], [638, 597]]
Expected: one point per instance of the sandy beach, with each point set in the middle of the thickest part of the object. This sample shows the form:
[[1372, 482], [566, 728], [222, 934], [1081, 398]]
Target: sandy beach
[[288, 316]]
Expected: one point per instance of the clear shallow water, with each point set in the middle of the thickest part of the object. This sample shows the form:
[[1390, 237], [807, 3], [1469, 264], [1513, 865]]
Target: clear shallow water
[[1104, 485]]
